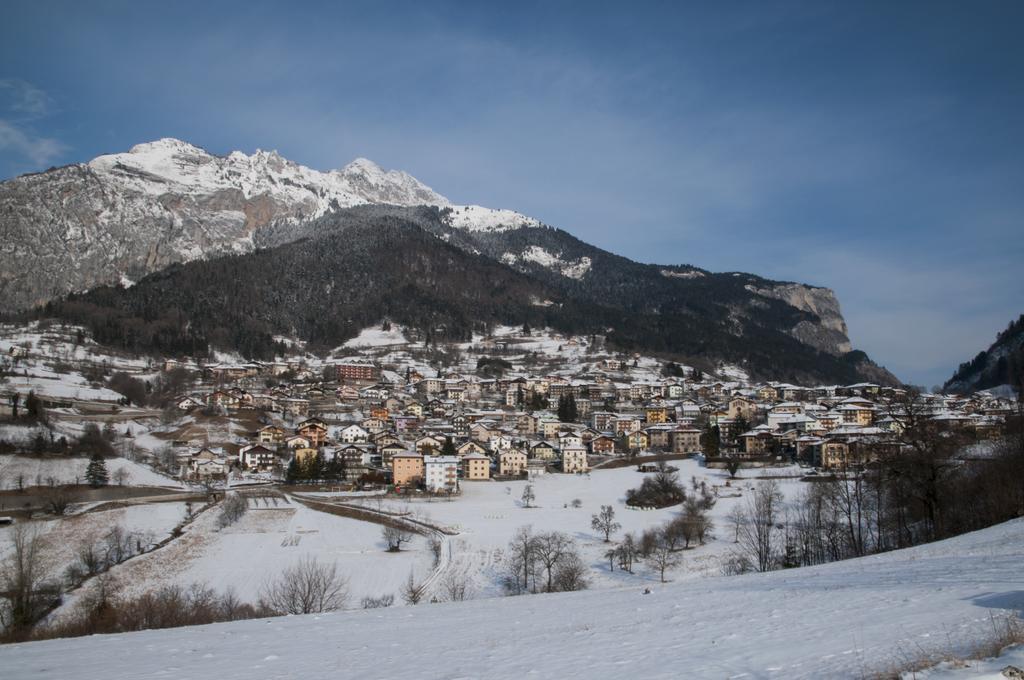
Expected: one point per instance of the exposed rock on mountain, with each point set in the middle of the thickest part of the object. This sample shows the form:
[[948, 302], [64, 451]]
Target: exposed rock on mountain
[[122, 216]]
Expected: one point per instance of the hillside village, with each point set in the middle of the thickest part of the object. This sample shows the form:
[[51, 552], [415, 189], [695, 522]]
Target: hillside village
[[381, 417]]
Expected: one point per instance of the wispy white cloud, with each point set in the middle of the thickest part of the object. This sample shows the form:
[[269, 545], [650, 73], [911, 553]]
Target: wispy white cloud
[[23, 99], [40, 151], [21, 105]]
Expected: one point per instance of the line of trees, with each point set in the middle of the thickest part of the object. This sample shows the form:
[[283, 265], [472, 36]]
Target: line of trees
[[925, 487], [29, 594], [315, 469], [660, 548], [546, 562]]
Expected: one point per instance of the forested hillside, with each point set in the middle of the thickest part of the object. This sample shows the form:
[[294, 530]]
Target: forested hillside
[[357, 267], [1001, 364]]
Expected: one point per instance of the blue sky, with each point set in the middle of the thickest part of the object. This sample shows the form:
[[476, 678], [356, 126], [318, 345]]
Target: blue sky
[[874, 148]]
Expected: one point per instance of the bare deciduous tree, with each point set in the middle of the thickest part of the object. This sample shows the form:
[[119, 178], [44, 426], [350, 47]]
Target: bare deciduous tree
[[696, 520], [377, 602], [528, 496], [662, 557], [413, 592], [121, 476], [456, 587], [627, 552], [604, 522], [435, 549], [737, 518], [58, 500], [26, 595], [571, 573], [232, 509], [550, 549], [759, 535], [307, 587], [395, 536], [520, 562]]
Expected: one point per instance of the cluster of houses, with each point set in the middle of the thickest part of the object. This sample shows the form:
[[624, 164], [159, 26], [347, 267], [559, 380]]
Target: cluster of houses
[[436, 432]]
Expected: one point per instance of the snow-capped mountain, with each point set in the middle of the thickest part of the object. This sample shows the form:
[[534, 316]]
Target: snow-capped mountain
[[122, 216]]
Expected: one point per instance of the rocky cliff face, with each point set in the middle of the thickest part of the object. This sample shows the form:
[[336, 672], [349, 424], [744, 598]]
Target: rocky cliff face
[[829, 333]]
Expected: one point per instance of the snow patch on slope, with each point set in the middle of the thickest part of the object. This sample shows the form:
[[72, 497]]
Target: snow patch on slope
[[691, 274], [478, 218], [375, 336], [573, 269]]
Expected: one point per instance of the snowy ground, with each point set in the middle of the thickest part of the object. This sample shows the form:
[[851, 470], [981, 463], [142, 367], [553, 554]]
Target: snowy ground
[[267, 540], [842, 620], [544, 351], [62, 538], [487, 514], [986, 669], [48, 349], [36, 471]]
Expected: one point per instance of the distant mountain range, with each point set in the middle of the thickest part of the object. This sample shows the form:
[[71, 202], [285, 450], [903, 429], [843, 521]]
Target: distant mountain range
[[1001, 364], [277, 248]]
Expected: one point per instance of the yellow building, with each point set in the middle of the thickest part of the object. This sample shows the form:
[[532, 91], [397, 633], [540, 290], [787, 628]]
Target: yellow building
[[304, 453], [656, 415], [476, 466], [406, 469]]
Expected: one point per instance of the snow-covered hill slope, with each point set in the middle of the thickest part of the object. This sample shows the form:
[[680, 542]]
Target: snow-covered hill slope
[[124, 215], [843, 620]]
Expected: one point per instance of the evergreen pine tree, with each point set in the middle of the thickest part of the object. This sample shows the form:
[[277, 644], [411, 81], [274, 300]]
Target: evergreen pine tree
[[740, 426], [314, 468], [567, 412], [96, 472], [33, 406], [291, 476], [711, 440], [449, 447]]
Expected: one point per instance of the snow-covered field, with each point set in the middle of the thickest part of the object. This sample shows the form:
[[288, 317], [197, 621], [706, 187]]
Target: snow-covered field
[[62, 537], [45, 348], [377, 337], [269, 539], [37, 471], [841, 620], [487, 515]]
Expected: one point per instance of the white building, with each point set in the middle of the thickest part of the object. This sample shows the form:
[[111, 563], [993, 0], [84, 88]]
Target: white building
[[354, 434], [574, 459], [441, 473]]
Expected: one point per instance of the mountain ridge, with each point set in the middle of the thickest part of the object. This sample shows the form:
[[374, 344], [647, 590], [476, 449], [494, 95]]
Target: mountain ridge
[[357, 267], [1001, 365], [124, 215], [121, 217]]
